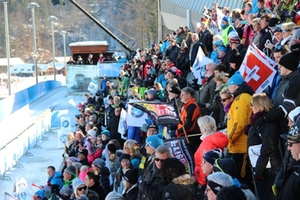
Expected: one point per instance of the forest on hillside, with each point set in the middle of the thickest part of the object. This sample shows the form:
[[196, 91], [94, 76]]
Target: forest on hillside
[[133, 21]]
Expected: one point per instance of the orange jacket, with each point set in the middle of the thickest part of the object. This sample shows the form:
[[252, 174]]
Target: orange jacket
[[189, 114]]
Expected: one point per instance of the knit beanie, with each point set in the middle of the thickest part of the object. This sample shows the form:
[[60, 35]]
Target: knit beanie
[[175, 90], [236, 79], [125, 156], [112, 148], [92, 133], [114, 196], [233, 37], [152, 125], [99, 162], [216, 181], [273, 22], [106, 132], [84, 152], [289, 61], [226, 165], [71, 170], [132, 175], [222, 48], [236, 58], [72, 159], [225, 19], [76, 183], [154, 141], [212, 155], [218, 43]]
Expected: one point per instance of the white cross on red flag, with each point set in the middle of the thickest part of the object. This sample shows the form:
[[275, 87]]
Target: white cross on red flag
[[257, 69]]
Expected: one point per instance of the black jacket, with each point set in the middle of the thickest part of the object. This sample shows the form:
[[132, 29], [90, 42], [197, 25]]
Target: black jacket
[[266, 34], [290, 187], [182, 60], [268, 136], [151, 187], [104, 180], [206, 38], [99, 190], [132, 193], [113, 128], [194, 50], [180, 188], [172, 53]]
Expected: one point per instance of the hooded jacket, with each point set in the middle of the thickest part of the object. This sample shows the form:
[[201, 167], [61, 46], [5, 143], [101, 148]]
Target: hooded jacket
[[238, 117], [212, 141], [180, 188]]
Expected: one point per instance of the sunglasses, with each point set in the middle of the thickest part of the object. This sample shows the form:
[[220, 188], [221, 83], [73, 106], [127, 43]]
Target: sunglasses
[[223, 100], [290, 144], [82, 188], [157, 160]]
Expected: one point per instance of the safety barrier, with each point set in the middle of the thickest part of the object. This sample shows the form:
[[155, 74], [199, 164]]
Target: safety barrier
[[30, 133]]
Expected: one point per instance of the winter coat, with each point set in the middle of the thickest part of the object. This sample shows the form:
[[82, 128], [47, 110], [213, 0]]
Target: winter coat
[[207, 91], [268, 136], [132, 193], [239, 116], [104, 180], [151, 187], [206, 38], [209, 142], [180, 188], [266, 34], [172, 53], [99, 190], [286, 99], [194, 50], [291, 184], [182, 59], [96, 154], [113, 128], [56, 179], [134, 133]]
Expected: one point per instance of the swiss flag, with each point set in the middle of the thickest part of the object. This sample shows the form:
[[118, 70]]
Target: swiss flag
[[257, 69]]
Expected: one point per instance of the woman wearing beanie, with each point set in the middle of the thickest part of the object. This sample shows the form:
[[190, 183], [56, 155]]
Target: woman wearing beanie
[[210, 140], [152, 142], [125, 165], [130, 182], [179, 184], [265, 141], [81, 191]]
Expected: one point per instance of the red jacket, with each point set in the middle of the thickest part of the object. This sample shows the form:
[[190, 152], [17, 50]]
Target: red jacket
[[215, 140]]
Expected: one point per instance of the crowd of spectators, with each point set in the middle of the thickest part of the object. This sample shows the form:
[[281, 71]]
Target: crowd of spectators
[[233, 133]]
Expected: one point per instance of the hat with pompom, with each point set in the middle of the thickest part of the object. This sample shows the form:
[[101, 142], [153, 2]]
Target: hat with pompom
[[154, 141]]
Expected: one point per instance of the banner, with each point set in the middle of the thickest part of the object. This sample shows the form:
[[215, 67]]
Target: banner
[[22, 190], [135, 117], [198, 67], [179, 149], [163, 113], [257, 69], [123, 124]]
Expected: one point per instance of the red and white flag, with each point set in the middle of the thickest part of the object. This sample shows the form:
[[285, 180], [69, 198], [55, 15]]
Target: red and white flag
[[257, 69]]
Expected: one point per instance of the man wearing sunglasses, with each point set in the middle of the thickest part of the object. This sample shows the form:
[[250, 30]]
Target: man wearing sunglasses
[[290, 188], [151, 185]]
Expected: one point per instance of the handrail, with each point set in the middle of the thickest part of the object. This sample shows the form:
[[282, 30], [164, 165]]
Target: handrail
[[25, 129]]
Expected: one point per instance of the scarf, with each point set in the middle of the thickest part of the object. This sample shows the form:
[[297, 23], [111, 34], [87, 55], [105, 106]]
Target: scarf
[[227, 107]]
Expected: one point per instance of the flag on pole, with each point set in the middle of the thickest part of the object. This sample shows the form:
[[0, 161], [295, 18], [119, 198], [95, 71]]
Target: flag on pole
[[198, 67], [163, 113], [257, 69]]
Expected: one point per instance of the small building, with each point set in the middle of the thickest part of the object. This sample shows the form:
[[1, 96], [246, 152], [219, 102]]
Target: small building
[[12, 61]]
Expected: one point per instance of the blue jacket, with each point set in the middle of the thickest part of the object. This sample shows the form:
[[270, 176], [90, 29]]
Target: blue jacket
[[56, 179], [161, 79], [103, 85], [134, 133]]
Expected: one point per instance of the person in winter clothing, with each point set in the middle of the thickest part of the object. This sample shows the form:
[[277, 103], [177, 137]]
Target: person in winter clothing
[[68, 176], [131, 185], [93, 184], [172, 51], [179, 184], [189, 114], [55, 181], [81, 191], [206, 37], [289, 186], [210, 140], [196, 43], [238, 116], [215, 182], [182, 60], [266, 34], [125, 165], [226, 29], [103, 171], [209, 159], [151, 185], [131, 147], [112, 126], [97, 150], [82, 157], [287, 95], [265, 140]]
